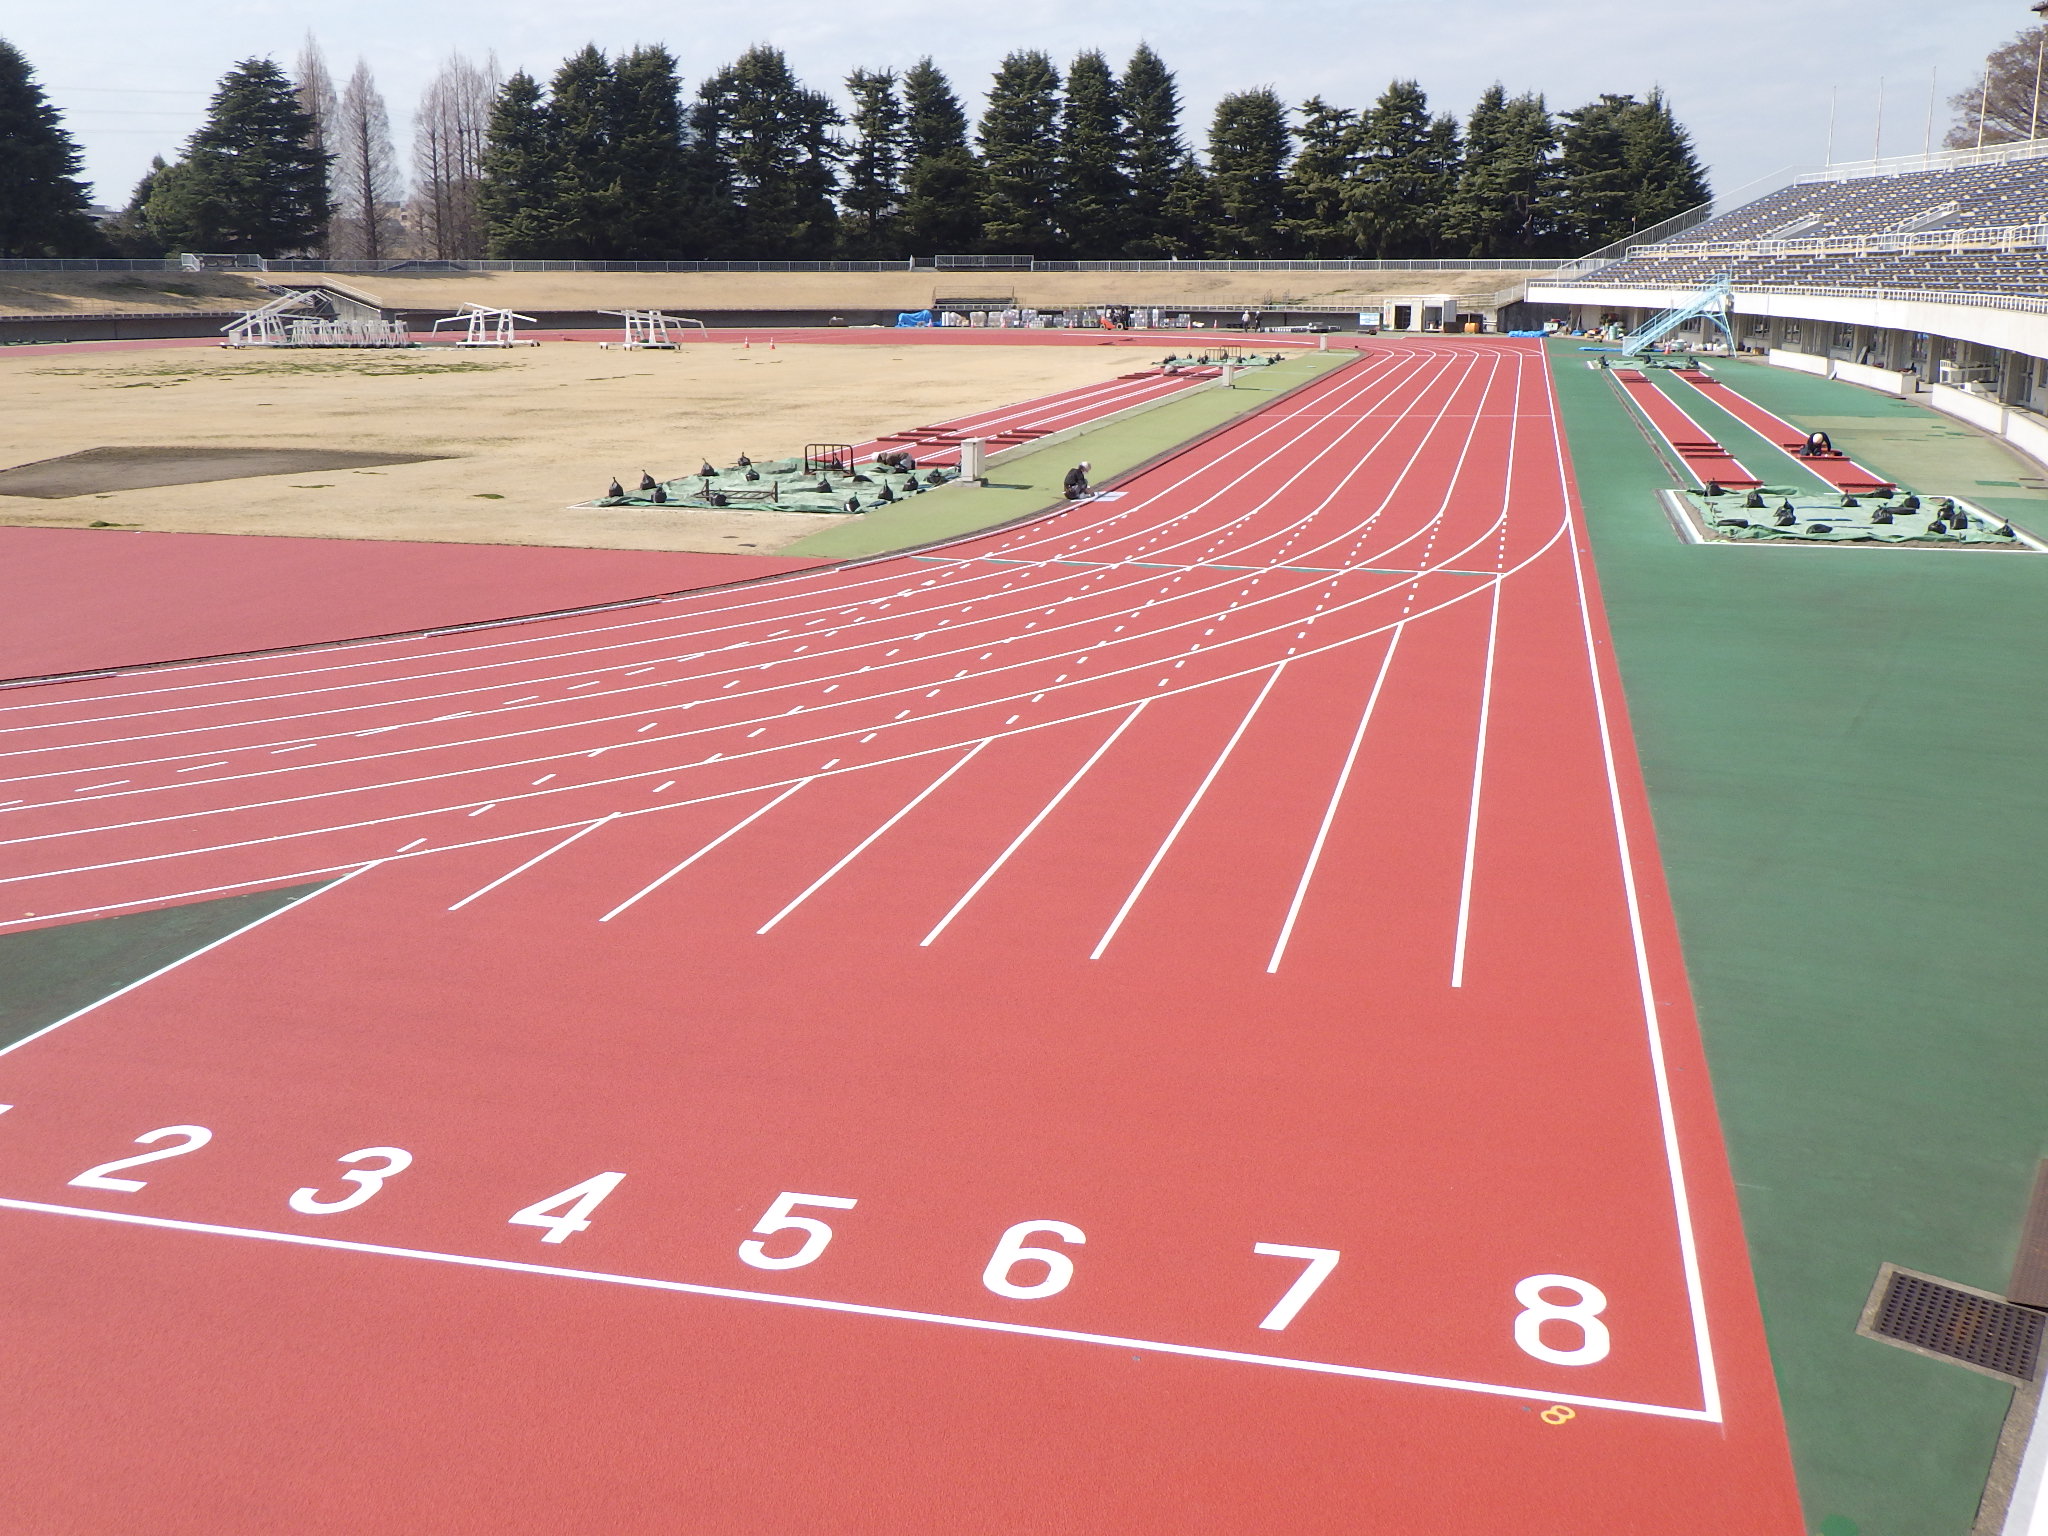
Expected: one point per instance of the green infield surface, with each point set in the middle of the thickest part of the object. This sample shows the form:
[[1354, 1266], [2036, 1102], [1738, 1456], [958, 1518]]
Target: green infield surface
[[1843, 750]]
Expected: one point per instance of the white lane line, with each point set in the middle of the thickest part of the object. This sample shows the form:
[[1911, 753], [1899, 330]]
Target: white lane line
[[730, 685], [1033, 825], [858, 1309], [739, 826], [818, 884], [1464, 928], [838, 598], [197, 766], [1358, 602], [1315, 852], [486, 890], [111, 783], [1681, 1201], [1085, 714], [1478, 782], [1187, 811], [164, 970]]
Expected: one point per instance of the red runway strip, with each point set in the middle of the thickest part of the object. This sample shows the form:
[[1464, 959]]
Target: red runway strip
[[74, 600], [1163, 1019], [1838, 469], [1705, 460]]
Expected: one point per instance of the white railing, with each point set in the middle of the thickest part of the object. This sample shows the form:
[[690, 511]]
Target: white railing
[[2025, 303], [2003, 237], [1936, 160]]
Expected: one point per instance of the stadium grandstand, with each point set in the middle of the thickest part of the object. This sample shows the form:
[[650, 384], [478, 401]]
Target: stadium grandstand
[[1920, 273]]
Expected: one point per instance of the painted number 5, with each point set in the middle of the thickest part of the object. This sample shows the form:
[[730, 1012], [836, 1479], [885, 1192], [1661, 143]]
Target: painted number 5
[[1582, 1312], [777, 1219], [367, 1182]]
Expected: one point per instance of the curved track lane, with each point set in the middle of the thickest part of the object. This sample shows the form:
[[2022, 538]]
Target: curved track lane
[[1198, 960]]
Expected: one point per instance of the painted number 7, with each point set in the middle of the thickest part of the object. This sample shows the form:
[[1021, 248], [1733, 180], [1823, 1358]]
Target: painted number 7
[[1320, 1262]]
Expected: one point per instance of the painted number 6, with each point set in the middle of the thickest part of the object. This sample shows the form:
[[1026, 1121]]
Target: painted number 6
[[367, 1182], [1583, 1313], [777, 1219], [1010, 1252]]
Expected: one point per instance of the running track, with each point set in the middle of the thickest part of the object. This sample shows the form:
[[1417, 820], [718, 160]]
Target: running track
[[1239, 894]]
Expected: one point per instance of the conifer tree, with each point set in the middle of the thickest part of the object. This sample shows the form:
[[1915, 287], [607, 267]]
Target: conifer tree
[[43, 202], [1158, 210], [651, 216], [250, 180], [1019, 137], [1396, 197], [1445, 161], [772, 141], [129, 232], [1664, 174], [1317, 221], [1623, 165], [1248, 144], [943, 184], [517, 195], [1187, 222], [589, 191], [1094, 185], [1504, 181], [873, 196]]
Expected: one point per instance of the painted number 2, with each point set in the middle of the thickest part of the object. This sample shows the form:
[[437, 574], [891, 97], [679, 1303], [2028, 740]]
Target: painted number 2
[[1582, 1312], [196, 1136], [367, 1182]]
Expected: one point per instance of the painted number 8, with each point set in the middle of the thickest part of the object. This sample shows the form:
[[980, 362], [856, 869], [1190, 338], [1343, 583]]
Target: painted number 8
[[1583, 1314]]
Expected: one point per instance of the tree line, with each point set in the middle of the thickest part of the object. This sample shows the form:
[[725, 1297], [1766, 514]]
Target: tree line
[[614, 158]]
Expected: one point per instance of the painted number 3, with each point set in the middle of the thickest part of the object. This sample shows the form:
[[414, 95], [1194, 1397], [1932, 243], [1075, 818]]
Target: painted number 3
[[1581, 1313], [367, 1182]]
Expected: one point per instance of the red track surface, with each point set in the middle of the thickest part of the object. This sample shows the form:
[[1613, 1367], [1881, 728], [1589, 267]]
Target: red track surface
[[73, 599], [1705, 459], [1837, 469], [1257, 859]]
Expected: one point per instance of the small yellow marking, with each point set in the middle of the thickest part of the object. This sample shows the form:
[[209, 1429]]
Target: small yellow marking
[[1557, 1413]]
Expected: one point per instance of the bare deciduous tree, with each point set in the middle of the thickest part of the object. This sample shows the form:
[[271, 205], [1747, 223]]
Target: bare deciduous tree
[[318, 101], [368, 190], [447, 159], [2006, 102]]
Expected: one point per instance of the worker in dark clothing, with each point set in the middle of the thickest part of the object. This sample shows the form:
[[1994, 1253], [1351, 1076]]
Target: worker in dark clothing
[[1817, 445], [1077, 481]]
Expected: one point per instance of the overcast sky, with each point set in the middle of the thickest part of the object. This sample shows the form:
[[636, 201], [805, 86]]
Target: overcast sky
[[1751, 78]]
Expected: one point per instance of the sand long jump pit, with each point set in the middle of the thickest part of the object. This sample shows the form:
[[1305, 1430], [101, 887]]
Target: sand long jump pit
[[476, 448]]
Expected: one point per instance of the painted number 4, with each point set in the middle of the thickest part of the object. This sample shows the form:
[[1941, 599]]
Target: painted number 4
[[559, 1215]]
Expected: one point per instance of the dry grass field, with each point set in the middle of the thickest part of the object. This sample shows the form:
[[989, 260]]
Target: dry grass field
[[107, 293], [517, 436]]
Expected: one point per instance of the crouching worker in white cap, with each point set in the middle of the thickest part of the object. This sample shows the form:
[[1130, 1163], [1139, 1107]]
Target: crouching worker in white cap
[[1077, 481]]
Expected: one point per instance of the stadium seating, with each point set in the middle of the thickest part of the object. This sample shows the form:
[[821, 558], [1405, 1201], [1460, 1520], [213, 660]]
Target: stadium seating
[[1925, 208]]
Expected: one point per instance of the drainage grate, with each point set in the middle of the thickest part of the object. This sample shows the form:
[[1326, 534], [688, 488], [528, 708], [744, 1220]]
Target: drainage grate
[[1978, 1330]]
